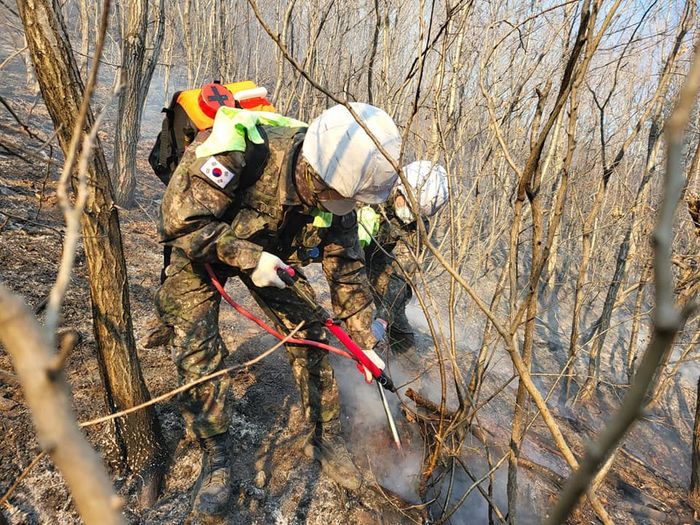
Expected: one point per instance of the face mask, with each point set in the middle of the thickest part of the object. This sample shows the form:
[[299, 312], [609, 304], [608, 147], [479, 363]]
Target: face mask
[[404, 214]]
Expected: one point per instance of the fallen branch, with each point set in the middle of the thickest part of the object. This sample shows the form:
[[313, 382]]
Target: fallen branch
[[427, 404], [35, 223], [553, 477]]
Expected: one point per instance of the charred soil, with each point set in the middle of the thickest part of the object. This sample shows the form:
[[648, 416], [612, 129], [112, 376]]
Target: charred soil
[[273, 482]]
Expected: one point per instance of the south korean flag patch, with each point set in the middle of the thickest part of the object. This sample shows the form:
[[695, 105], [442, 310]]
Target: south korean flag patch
[[217, 172]]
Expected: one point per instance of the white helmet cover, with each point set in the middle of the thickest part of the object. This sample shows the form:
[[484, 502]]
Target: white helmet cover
[[346, 158], [429, 185]]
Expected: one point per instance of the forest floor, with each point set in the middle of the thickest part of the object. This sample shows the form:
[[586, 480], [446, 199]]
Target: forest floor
[[273, 482]]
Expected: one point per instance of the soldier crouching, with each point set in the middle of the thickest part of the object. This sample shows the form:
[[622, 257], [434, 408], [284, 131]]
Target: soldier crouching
[[247, 203]]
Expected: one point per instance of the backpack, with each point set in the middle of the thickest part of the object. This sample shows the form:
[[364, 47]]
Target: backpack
[[193, 111], [189, 113]]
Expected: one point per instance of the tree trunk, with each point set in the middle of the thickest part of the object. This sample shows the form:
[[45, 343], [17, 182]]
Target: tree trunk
[[137, 435], [636, 321], [373, 52], [602, 325], [694, 496], [168, 59], [136, 73], [31, 82], [84, 37]]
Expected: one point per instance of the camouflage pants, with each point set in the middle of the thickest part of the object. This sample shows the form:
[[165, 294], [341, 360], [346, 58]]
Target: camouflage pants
[[391, 291], [188, 302]]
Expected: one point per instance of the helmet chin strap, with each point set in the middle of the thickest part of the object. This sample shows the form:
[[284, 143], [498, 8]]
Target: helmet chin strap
[[303, 184]]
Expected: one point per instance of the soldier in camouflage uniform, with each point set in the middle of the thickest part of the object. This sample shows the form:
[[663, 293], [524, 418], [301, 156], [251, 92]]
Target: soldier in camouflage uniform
[[391, 249], [248, 213]]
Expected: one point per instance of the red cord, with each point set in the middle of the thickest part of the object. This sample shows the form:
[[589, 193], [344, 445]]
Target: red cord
[[263, 325]]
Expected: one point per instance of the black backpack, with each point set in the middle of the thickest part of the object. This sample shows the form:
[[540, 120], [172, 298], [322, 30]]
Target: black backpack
[[179, 130], [176, 133]]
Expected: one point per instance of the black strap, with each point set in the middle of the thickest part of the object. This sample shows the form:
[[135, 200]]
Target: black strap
[[168, 155], [166, 130], [167, 252]]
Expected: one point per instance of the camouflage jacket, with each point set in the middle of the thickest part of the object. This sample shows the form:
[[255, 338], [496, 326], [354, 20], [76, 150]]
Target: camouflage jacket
[[394, 238], [228, 208]]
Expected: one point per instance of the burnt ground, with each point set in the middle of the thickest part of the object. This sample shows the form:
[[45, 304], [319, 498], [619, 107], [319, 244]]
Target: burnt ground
[[273, 482]]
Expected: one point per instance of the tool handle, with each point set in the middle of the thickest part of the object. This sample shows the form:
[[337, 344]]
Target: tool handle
[[288, 275], [360, 356]]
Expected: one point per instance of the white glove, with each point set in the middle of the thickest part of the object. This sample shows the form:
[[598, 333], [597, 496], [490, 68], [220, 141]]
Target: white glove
[[265, 273], [376, 360]]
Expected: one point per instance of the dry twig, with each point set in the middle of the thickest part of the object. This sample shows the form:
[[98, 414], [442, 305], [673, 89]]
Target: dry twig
[[667, 320]]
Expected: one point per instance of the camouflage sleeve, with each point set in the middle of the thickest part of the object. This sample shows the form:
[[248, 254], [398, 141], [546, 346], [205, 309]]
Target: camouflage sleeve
[[191, 218], [403, 258], [344, 267], [405, 238]]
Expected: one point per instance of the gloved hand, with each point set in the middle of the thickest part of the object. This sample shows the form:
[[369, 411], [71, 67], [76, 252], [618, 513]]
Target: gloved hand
[[379, 328], [376, 360], [265, 273]]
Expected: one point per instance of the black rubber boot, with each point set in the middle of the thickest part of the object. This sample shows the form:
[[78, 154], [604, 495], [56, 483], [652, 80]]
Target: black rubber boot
[[213, 488], [402, 341], [328, 448]]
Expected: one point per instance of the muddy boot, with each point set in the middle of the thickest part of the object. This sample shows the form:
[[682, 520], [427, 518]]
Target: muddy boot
[[213, 488], [328, 448]]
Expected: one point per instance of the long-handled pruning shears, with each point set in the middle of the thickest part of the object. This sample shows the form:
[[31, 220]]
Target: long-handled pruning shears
[[289, 277]]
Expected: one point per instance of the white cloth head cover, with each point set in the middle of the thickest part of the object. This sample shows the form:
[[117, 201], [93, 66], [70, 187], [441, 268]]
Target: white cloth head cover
[[429, 184], [345, 157]]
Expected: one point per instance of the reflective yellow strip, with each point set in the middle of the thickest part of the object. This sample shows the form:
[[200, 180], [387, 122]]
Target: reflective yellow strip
[[368, 222]]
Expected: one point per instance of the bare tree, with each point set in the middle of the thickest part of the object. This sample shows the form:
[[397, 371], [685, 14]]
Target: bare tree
[[668, 321], [603, 322], [137, 436], [139, 57]]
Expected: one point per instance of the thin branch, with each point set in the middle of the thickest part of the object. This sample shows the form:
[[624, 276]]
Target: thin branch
[[191, 384], [51, 407], [668, 321]]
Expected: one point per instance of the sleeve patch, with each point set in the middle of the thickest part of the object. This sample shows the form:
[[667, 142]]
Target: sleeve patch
[[217, 172]]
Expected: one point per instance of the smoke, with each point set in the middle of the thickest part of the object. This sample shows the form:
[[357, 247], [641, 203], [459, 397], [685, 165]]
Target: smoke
[[369, 435], [474, 508], [370, 438], [364, 420]]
